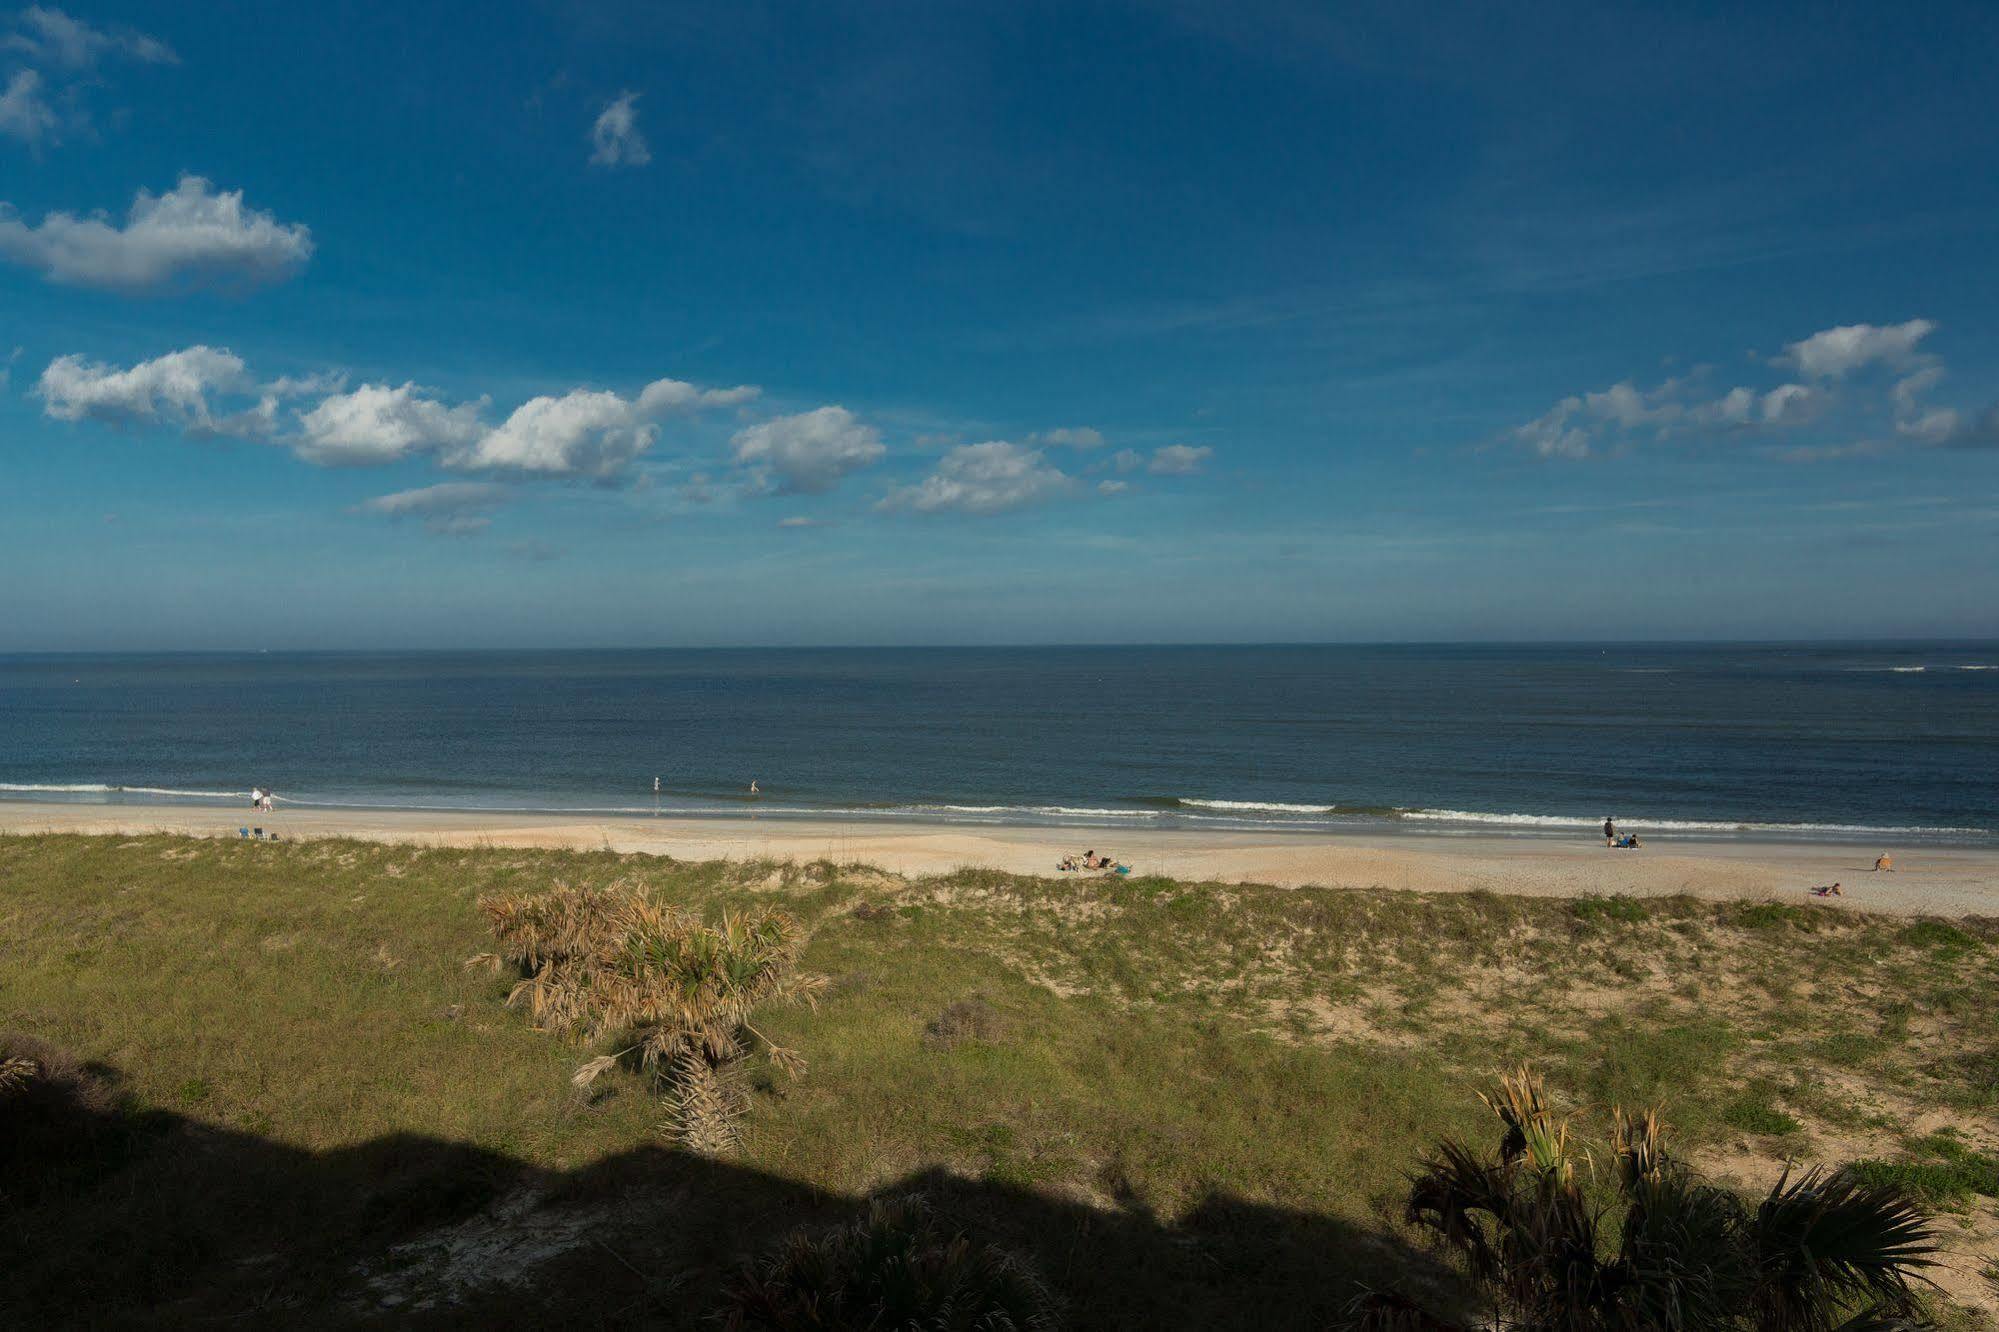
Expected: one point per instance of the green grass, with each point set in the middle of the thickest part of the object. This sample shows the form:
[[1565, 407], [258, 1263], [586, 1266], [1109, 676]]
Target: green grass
[[1630, 910], [1186, 1102], [1940, 1182], [1754, 1110]]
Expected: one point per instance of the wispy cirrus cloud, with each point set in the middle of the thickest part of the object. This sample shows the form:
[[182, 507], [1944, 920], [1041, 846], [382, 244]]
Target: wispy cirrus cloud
[[25, 113], [1069, 437], [615, 139], [450, 508], [50, 37], [192, 234], [1169, 460], [42, 101]]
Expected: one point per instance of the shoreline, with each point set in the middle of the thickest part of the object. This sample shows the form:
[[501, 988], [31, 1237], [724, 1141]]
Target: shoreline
[[1928, 880]]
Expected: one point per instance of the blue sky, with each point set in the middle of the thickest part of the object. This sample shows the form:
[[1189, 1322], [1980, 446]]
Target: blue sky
[[360, 325]]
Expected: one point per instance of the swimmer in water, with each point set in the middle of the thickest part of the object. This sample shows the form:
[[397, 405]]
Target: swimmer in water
[[753, 786]]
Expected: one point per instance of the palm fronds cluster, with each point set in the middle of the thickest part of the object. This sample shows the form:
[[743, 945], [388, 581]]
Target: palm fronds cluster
[[895, 1266], [17, 1072], [1822, 1251], [677, 994]]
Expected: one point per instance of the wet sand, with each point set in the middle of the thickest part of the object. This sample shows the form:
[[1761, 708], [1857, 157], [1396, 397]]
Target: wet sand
[[1927, 881]]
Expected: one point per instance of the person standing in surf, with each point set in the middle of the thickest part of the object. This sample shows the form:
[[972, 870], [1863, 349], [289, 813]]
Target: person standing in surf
[[1609, 833]]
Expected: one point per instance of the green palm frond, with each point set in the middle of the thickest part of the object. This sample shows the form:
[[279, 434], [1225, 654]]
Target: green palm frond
[[1827, 1241], [1822, 1253]]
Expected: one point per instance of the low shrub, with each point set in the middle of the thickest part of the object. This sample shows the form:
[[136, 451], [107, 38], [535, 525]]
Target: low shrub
[[896, 1266], [964, 1021]]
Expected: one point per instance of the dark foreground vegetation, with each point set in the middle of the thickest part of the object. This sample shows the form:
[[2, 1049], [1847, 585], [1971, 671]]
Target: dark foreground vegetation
[[265, 1085]]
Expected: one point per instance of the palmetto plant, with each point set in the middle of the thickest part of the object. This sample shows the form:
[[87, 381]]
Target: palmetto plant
[[613, 965], [1820, 1252]]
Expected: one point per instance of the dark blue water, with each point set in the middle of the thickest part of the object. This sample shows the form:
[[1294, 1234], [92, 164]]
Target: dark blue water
[[1766, 740]]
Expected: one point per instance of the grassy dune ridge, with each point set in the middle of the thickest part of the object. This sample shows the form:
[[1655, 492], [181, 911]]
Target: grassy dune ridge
[[1189, 1104]]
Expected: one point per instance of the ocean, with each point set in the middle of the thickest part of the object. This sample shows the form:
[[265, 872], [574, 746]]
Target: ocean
[[1863, 741]]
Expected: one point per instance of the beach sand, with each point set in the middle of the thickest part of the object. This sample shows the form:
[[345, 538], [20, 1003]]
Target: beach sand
[[1927, 881]]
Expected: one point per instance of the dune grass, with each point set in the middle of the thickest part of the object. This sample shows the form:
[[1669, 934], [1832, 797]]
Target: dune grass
[[1182, 1101]]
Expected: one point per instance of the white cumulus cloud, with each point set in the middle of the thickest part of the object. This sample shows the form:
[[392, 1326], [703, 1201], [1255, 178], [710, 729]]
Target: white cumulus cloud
[[1789, 404], [173, 389], [379, 423], [677, 395], [191, 232], [615, 139], [585, 432], [1179, 459], [983, 478], [807, 454], [1835, 352]]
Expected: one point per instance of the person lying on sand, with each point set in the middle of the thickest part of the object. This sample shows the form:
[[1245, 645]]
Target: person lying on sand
[[1091, 861], [1827, 890], [1628, 842]]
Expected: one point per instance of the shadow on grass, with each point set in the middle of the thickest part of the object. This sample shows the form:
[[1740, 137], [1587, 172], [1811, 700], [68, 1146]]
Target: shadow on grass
[[111, 1216]]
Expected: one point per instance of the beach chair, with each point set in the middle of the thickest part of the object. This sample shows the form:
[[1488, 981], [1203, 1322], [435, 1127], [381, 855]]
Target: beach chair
[[242, 832]]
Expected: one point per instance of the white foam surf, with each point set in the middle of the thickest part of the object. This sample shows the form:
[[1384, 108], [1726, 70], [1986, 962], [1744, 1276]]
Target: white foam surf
[[1569, 821], [105, 788]]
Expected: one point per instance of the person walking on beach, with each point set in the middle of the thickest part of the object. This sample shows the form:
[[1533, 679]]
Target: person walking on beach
[[1609, 833]]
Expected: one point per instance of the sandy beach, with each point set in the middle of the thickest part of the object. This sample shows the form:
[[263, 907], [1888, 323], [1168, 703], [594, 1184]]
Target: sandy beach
[[1926, 881]]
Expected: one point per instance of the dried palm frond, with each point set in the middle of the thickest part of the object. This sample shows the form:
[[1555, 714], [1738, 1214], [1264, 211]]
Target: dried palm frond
[[18, 1072], [588, 1074], [1641, 1152], [1532, 1130]]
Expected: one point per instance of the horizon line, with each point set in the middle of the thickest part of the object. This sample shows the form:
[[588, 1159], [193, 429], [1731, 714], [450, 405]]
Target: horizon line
[[1934, 641]]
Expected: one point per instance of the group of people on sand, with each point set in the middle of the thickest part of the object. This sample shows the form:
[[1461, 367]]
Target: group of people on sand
[[1089, 860], [1628, 842], [260, 799]]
